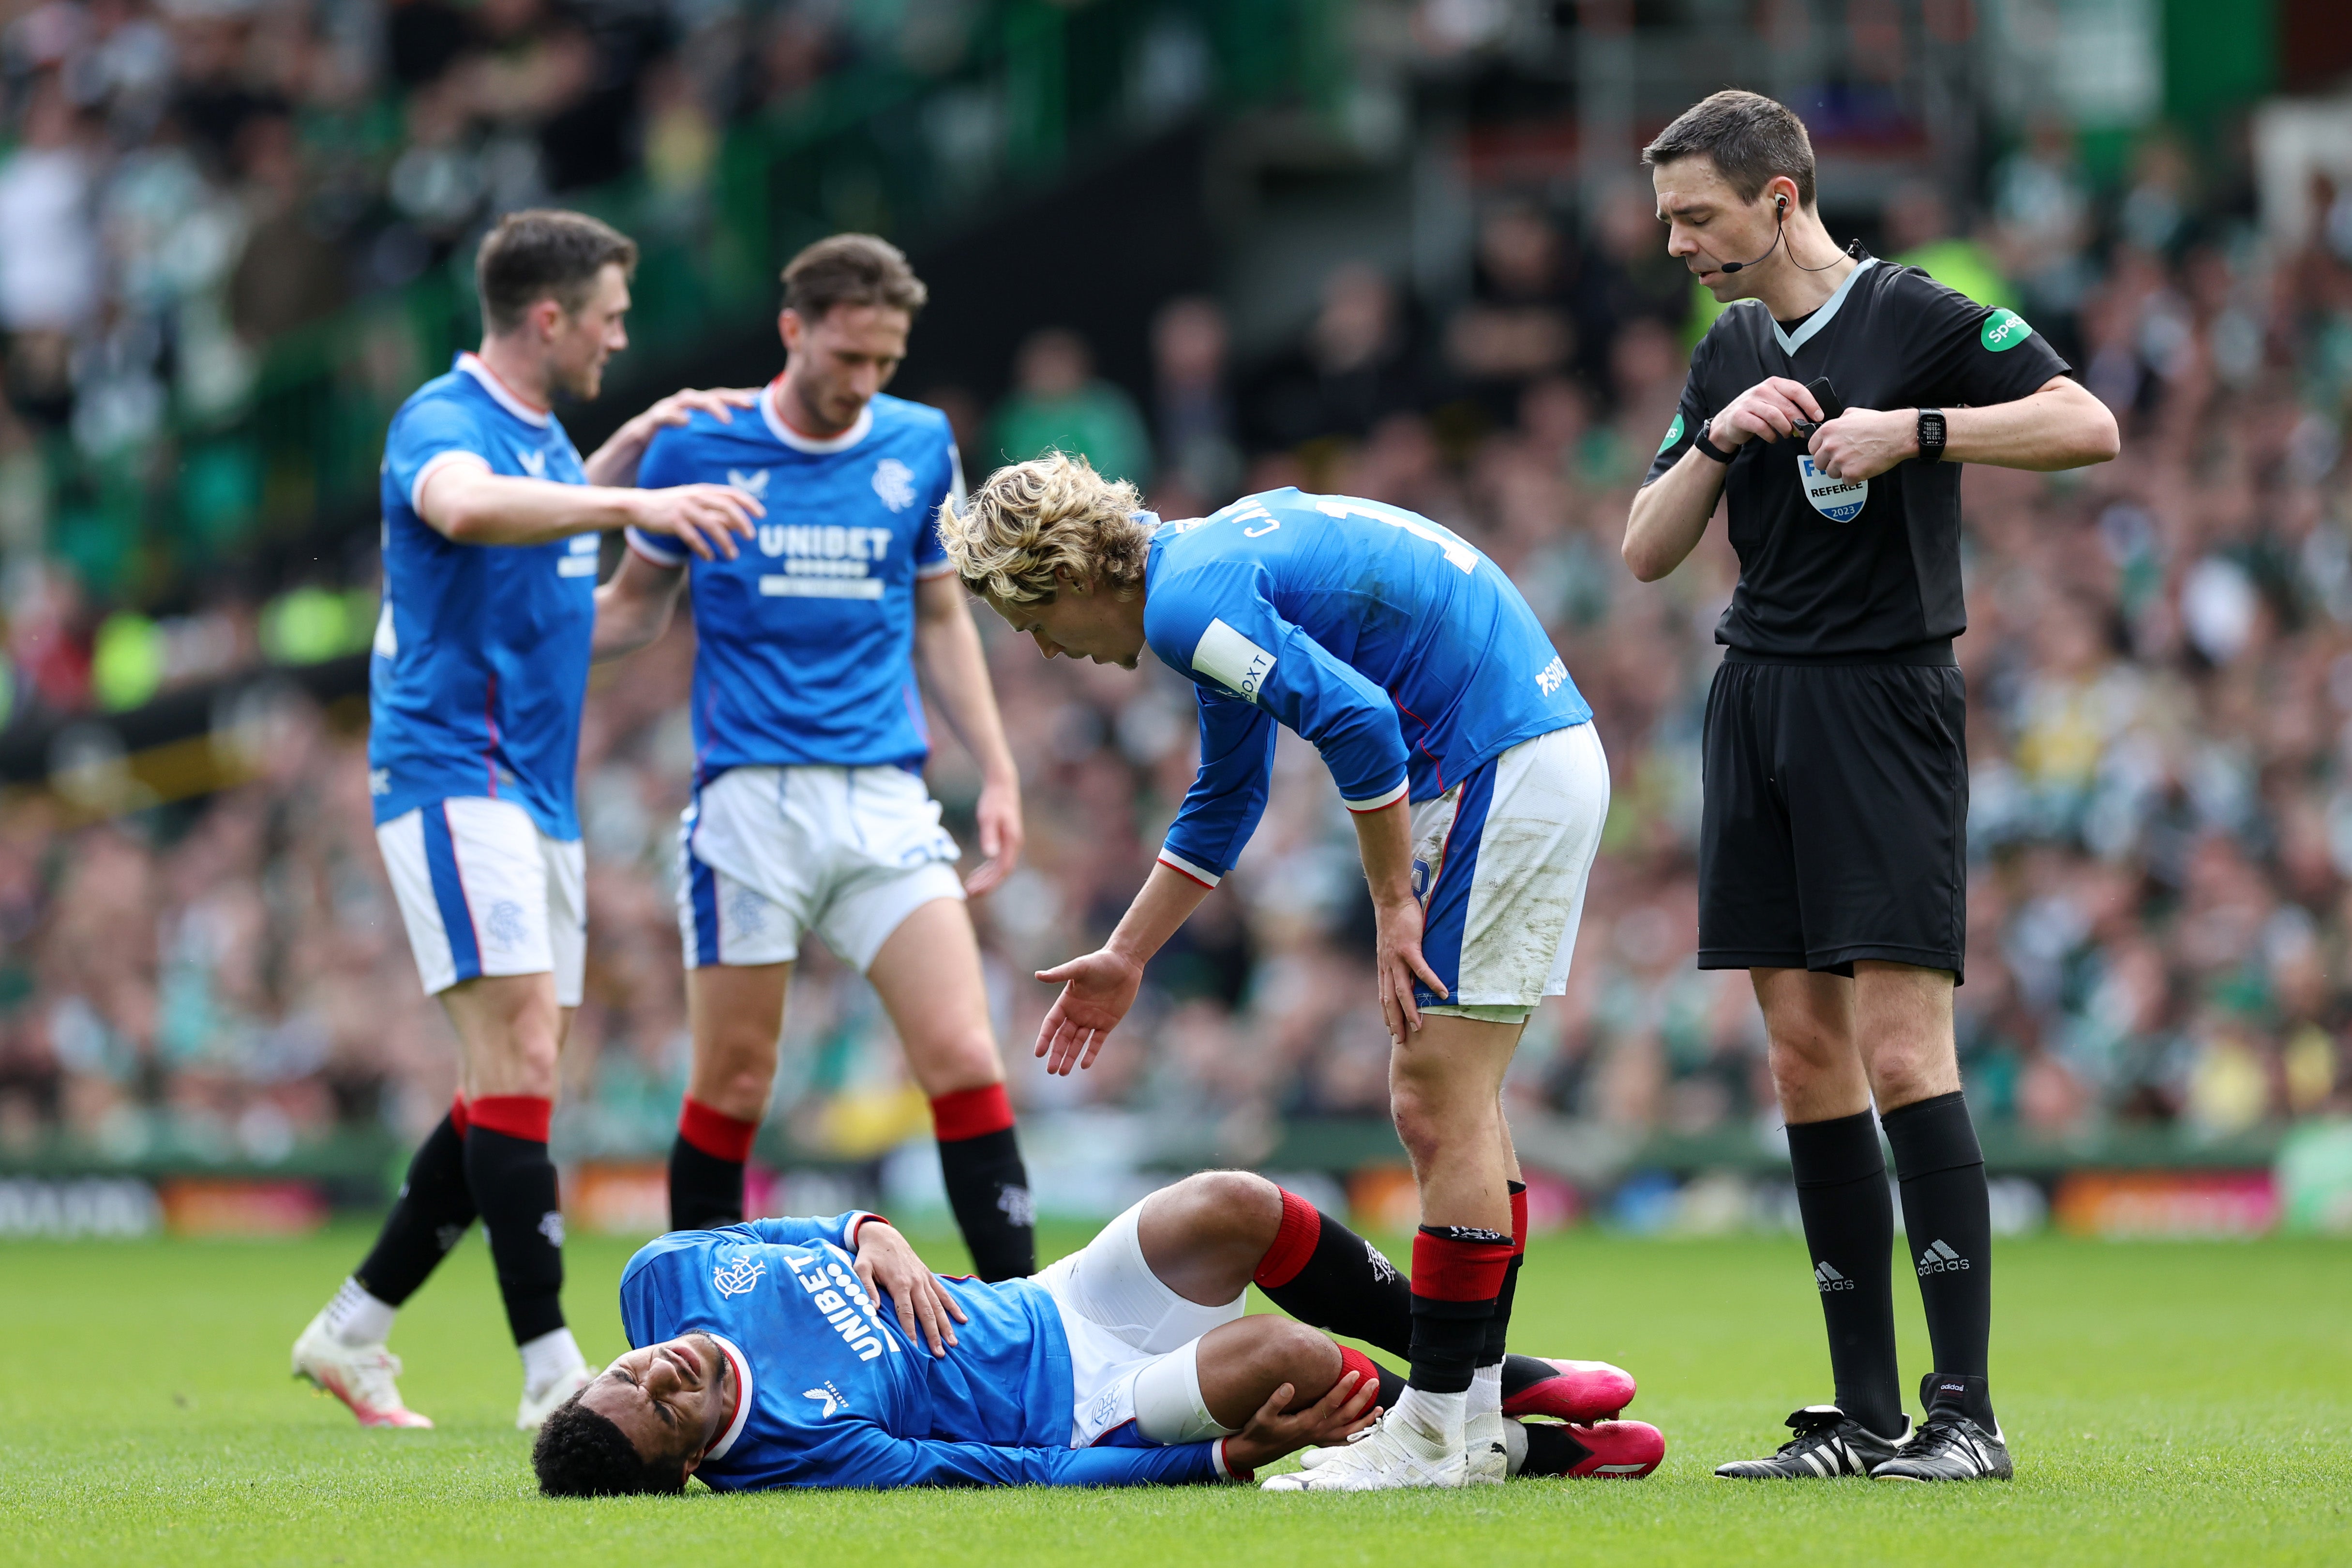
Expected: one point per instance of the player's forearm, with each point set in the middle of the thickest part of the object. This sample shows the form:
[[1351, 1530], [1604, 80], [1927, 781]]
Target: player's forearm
[[1670, 516], [1165, 902], [1384, 838], [473, 506], [615, 462], [955, 667], [2059, 427], [632, 608]]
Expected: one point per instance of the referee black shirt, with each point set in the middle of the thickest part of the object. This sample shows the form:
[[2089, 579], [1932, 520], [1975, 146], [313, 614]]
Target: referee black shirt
[[1833, 569]]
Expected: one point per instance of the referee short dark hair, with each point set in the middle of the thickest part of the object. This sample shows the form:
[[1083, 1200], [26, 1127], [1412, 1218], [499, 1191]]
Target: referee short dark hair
[[851, 269], [1751, 139], [543, 253]]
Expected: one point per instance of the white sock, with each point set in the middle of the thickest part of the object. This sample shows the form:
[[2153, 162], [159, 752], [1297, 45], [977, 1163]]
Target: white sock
[[549, 1357], [1487, 1391], [1435, 1421], [354, 1318]]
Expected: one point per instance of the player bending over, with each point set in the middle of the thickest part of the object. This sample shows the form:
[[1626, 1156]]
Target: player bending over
[[492, 523], [809, 808], [765, 1359], [1477, 788]]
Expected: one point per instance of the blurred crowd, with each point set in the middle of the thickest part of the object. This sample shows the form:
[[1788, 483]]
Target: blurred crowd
[[2159, 663]]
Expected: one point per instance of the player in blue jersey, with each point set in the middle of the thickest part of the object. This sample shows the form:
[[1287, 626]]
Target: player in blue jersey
[[807, 1353], [1477, 788], [809, 812], [490, 527]]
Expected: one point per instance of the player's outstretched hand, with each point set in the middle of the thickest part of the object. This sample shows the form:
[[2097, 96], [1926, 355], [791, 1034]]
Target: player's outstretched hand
[[1001, 836], [1768, 410], [1398, 958], [1276, 1430], [705, 519], [1863, 442], [720, 402], [1097, 990], [888, 1266]]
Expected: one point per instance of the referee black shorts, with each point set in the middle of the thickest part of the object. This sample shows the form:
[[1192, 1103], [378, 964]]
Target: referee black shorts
[[1835, 819]]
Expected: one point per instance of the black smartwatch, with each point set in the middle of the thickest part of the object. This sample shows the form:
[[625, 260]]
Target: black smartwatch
[[1931, 436], [1709, 449]]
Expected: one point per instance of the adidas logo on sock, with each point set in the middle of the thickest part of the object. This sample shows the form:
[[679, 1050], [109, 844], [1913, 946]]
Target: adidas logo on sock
[[1939, 1259], [1827, 1277]]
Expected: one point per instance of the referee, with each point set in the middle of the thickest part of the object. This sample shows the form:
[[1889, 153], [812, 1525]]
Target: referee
[[1832, 850]]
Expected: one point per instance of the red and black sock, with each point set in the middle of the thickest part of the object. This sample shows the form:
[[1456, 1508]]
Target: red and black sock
[[706, 1167], [1457, 1272], [429, 1217], [988, 1186], [1498, 1326], [513, 1180], [1325, 1275], [1850, 1231]]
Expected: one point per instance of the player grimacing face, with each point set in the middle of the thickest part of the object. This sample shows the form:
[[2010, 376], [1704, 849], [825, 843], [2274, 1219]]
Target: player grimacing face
[[834, 365], [580, 342], [1077, 624], [672, 1400], [1708, 224]]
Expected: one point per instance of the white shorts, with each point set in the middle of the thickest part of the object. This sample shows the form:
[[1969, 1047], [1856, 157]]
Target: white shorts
[[1124, 1326], [1500, 864], [771, 853], [483, 891]]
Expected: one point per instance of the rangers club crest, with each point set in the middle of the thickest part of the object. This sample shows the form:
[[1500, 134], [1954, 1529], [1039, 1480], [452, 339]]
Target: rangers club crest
[[736, 1278], [894, 482]]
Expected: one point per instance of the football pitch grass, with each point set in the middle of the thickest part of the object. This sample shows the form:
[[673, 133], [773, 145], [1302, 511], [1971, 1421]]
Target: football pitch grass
[[2166, 1403]]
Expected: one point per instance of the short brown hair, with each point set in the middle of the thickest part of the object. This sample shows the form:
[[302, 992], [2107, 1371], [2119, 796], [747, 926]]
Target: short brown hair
[[544, 253], [1751, 139], [851, 269]]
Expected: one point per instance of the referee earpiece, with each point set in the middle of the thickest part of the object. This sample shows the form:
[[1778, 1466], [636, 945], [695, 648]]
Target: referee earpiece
[[1781, 228]]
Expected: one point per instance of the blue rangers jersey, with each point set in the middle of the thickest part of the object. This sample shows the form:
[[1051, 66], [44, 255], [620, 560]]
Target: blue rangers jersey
[[481, 651], [834, 1395], [804, 641], [1401, 652]]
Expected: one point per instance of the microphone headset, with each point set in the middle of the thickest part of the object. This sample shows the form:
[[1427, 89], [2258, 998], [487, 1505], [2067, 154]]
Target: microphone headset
[[1780, 228]]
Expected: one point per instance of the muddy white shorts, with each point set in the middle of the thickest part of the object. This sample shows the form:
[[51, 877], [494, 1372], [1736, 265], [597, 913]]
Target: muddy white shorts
[[1500, 864], [1133, 1341], [771, 853], [483, 891]]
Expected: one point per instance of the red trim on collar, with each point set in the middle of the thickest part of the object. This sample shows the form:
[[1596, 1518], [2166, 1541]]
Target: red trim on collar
[[503, 382], [742, 1379]]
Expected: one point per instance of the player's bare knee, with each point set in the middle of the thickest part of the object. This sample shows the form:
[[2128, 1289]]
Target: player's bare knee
[[952, 1062], [1244, 1203]]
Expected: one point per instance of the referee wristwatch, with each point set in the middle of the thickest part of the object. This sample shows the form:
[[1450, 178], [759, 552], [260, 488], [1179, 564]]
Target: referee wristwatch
[[1931, 436], [1709, 449]]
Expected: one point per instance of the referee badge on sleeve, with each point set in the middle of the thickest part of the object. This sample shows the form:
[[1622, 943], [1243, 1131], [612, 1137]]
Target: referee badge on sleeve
[[1839, 500]]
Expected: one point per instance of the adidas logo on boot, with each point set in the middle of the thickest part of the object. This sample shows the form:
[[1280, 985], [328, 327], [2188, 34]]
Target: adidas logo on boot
[[1827, 1277], [1939, 1259]]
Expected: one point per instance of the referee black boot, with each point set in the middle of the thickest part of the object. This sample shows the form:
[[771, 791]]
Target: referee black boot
[[1828, 1444], [1951, 1444]]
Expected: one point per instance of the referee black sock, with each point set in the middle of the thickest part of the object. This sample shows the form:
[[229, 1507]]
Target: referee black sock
[[988, 1184], [514, 1182], [1949, 1217], [1849, 1231], [428, 1217]]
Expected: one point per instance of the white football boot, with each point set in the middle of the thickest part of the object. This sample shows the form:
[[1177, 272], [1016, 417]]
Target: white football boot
[[535, 1410], [1487, 1460], [360, 1376], [1380, 1458]]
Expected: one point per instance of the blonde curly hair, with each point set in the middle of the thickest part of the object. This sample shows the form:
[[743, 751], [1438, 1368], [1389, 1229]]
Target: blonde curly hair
[[1029, 522]]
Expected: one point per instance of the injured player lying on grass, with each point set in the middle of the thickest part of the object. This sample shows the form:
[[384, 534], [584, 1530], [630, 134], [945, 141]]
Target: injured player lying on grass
[[820, 1353]]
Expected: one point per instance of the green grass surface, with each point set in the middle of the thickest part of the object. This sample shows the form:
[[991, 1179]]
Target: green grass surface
[[2182, 1402]]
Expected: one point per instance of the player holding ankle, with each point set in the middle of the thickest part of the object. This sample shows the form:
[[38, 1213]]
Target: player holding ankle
[[491, 524], [820, 1353], [1478, 786], [810, 812]]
